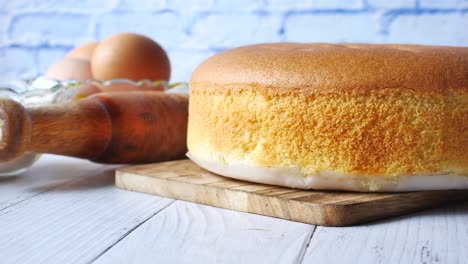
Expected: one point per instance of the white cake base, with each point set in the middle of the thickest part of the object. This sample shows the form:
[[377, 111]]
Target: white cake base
[[326, 180]]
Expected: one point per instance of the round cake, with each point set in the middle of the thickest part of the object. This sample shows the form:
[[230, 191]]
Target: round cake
[[326, 116]]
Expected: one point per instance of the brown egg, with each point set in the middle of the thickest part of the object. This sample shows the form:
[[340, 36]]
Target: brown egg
[[69, 69], [131, 56], [83, 52]]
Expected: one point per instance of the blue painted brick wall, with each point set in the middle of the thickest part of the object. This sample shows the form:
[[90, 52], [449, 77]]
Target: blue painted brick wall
[[35, 33]]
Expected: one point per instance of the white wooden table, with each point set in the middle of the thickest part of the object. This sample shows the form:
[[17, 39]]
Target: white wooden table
[[66, 210]]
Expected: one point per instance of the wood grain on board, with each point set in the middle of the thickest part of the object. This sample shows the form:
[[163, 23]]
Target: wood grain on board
[[185, 180]]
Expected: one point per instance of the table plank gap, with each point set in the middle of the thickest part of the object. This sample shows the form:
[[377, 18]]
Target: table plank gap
[[434, 236], [74, 222], [131, 230], [306, 247], [191, 233]]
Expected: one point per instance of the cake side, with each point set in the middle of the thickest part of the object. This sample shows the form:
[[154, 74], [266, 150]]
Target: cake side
[[385, 133]]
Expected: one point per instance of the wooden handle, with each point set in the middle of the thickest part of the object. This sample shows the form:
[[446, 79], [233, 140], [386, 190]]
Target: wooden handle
[[15, 129], [133, 127]]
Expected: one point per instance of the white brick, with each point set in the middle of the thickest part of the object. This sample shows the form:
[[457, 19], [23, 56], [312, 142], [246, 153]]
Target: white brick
[[47, 56], [359, 27], [238, 5], [436, 29], [16, 63], [184, 62], [3, 22], [57, 5], [34, 29], [140, 5], [283, 5], [190, 6], [445, 4], [165, 28], [394, 4], [3, 29], [233, 29]]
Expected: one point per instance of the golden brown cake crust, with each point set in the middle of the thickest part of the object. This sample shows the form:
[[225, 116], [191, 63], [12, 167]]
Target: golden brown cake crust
[[325, 68], [369, 110]]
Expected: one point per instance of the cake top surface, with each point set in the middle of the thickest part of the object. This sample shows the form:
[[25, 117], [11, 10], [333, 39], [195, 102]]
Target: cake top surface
[[319, 67]]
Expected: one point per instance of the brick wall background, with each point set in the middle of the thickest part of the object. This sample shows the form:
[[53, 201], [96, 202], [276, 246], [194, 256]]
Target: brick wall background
[[35, 33]]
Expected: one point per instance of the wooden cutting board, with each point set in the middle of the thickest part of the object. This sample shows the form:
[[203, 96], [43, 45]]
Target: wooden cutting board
[[185, 180]]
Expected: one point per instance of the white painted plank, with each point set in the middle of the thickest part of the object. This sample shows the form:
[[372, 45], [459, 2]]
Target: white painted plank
[[49, 172], [190, 233], [436, 236], [75, 222]]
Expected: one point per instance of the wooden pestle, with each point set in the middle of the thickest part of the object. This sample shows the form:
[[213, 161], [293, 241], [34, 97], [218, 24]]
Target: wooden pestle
[[130, 127]]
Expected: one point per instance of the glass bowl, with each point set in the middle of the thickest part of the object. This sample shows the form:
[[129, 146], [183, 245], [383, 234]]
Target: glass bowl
[[42, 91]]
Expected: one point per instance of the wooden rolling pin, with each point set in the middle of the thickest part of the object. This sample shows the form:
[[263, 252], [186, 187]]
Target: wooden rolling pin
[[133, 127]]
